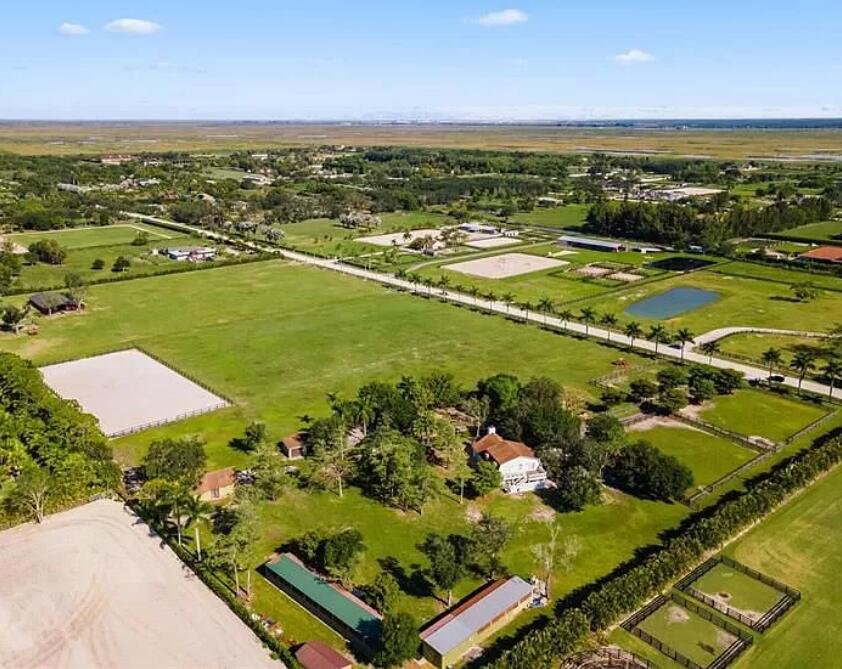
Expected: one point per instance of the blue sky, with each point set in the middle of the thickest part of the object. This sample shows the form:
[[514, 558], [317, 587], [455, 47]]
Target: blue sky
[[431, 59]]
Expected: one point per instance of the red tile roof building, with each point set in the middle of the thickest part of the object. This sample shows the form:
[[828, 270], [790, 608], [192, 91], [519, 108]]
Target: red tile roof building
[[318, 655], [824, 254]]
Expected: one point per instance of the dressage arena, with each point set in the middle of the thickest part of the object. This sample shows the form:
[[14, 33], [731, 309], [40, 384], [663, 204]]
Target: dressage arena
[[505, 266], [129, 391], [400, 238], [94, 587], [492, 242]]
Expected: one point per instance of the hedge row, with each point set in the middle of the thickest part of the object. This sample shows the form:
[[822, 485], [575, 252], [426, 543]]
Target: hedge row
[[637, 582]]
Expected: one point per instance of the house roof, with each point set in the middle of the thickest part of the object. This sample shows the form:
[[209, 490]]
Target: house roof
[[502, 450], [475, 614], [318, 655], [221, 478], [293, 441], [337, 601], [830, 253], [50, 301]]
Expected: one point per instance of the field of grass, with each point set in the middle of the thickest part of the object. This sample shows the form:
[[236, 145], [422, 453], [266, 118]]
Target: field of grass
[[110, 235], [752, 345], [800, 545], [709, 457], [568, 216], [754, 412], [742, 301], [780, 275], [75, 138], [276, 351], [738, 590], [821, 232], [688, 633]]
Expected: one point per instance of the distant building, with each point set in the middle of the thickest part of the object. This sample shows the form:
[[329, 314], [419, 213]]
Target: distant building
[[448, 639], [73, 188], [591, 243], [216, 485], [832, 254], [476, 227], [53, 303], [520, 469], [318, 655], [116, 159], [191, 253]]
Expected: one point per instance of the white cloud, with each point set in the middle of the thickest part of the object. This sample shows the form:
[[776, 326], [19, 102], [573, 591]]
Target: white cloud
[[72, 29], [505, 17], [133, 26], [634, 56]]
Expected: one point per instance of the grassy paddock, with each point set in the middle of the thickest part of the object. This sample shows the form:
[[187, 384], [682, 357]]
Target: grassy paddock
[[109, 235], [738, 590], [754, 412]]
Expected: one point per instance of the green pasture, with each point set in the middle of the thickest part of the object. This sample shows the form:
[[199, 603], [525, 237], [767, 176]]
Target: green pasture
[[109, 235], [688, 633], [752, 345], [738, 590], [800, 545], [757, 413], [709, 457], [822, 232], [567, 216]]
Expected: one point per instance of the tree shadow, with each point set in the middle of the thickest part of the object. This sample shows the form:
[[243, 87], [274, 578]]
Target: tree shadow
[[414, 583]]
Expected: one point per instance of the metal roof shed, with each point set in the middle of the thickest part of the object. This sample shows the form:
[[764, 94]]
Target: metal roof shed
[[450, 637]]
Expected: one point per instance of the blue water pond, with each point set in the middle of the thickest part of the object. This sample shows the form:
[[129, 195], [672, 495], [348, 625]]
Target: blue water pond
[[672, 303]]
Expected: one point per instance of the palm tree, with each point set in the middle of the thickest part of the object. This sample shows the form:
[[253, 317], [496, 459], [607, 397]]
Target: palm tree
[[508, 299], [803, 361], [609, 320], [832, 370], [588, 317], [443, 282], [401, 274], [527, 307], [684, 337], [195, 509], [474, 292], [632, 331], [773, 358], [565, 315], [491, 296], [546, 307], [658, 334], [429, 283], [710, 348]]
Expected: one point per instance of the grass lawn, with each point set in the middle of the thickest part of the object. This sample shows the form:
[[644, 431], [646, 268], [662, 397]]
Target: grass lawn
[[110, 235], [278, 350], [800, 545], [709, 457], [742, 301], [781, 275], [688, 633], [568, 216], [823, 231], [751, 345], [757, 413], [739, 590]]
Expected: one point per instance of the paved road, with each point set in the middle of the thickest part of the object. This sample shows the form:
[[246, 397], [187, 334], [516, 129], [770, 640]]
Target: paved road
[[720, 333], [750, 372]]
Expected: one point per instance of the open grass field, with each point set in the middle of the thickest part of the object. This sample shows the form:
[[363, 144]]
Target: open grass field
[[754, 412], [568, 216], [110, 235], [709, 457], [821, 232], [742, 301], [800, 545], [68, 138], [277, 351], [688, 633], [781, 275], [738, 590], [752, 345]]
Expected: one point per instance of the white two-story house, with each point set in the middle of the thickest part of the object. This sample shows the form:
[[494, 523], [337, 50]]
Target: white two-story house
[[521, 470]]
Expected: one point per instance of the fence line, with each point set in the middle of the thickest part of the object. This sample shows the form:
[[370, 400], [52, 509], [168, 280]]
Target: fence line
[[166, 421], [661, 647], [723, 432], [641, 614], [607, 653], [722, 480], [810, 427]]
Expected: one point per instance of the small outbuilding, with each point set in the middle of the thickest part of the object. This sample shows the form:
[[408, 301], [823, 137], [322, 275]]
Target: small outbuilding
[[452, 635], [318, 655], [294, 446], [216, 485], [53, 303], [520, 469]]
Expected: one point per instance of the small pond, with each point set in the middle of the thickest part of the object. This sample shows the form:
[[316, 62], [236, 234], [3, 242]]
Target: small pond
[[672, 303]]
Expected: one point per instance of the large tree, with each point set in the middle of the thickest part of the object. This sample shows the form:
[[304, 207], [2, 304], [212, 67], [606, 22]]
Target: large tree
[[177, 460]]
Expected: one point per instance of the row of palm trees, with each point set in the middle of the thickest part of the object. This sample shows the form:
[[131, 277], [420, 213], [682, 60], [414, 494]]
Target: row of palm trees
[[804, 362]]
